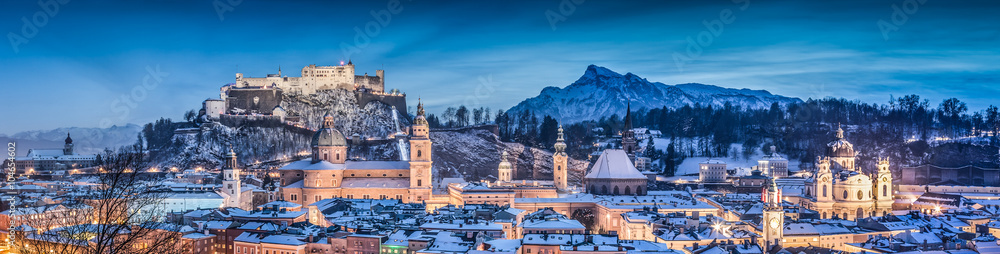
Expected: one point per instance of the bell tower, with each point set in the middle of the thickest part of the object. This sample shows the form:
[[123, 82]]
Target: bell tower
[[559, 162], [68, 147], [883, 188], [773, 222], [231, 180], [420, 158], [504, 170], [628, 137]]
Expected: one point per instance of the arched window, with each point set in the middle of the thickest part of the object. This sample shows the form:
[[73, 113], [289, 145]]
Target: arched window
[[616, 190], [845, 194], [593, 189], [638, 190], [824, 216], [419, 153], [824, 191], [628, 191], [885, 190], [860, 195], [604, 189]]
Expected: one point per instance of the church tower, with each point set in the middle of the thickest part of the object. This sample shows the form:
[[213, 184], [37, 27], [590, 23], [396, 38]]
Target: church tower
[[231, 180], [883, 188], [628, 137], [504, 170], [773, 222], [420, 158], [559, 161], [68, 147]]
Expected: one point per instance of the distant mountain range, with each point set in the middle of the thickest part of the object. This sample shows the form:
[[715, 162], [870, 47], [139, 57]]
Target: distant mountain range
[[85, 140], [603, 92]]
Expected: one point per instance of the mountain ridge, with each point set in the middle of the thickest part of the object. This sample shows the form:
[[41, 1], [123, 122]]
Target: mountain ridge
[[603, 92]]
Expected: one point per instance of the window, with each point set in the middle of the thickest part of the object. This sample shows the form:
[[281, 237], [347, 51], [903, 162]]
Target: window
[[845, 194], [824, 191], [294, 197], [419, 182], [419, 153], [885, 190], [860, 195]]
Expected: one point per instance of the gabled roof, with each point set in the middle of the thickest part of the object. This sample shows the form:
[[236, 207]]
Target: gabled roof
[[614, 164]]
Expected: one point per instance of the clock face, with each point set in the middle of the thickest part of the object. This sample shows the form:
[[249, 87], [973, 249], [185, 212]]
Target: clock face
[[774, 223]]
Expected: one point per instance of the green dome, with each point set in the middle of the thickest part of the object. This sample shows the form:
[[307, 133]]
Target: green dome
[[329, 137]]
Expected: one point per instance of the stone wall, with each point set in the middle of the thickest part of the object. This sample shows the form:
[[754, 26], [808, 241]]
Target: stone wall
[[398, 101]]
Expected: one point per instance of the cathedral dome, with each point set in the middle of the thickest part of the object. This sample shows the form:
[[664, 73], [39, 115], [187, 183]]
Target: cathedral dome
[[840, 147], [328, 136], [68, 139]]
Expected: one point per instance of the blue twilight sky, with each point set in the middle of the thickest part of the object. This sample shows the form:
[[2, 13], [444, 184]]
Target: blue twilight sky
[[87, 54]]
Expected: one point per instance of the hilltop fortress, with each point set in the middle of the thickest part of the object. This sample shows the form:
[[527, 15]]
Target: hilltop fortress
[[261, 96], [316, 78]]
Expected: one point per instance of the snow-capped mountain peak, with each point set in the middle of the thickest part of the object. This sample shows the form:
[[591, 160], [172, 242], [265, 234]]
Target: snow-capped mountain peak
[[602, 92]]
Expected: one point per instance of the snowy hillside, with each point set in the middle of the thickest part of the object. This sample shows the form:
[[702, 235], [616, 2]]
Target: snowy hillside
[[372, 120], [85, 140], [251, 144], [602, 92], [474, 154]]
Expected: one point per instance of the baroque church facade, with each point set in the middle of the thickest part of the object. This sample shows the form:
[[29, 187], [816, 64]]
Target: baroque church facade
[[840, 188], [328, 174]]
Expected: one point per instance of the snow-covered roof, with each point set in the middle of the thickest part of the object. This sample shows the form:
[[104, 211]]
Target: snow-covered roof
[[307, 164], [614, 164], [378, 165], [281, 204], [379, 182], [282, 239], [565, 224]]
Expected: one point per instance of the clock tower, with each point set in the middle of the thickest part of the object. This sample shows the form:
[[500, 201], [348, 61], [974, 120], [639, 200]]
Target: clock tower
[[559, 159], [420, 158], [231, 181], [774, 216]]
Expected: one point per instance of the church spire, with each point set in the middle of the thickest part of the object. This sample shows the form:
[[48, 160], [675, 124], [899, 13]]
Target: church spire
[[840, 132], [420, 119], [628, 116], [560, 145]]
